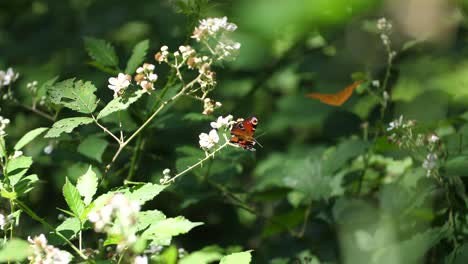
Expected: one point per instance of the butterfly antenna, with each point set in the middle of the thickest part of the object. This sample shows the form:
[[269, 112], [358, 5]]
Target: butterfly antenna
[[258, 143]]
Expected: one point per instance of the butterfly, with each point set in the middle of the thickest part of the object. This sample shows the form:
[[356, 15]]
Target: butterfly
[[242, 133], [338, 98]]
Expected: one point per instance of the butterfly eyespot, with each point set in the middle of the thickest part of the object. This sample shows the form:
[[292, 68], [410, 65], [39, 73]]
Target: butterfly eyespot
[[254, 120], [241, 125]]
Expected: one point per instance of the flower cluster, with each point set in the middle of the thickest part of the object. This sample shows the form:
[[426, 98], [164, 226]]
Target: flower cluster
[[403, 136], [208, 141], [146, 77], [212, 33], [117, 218], [209, 105], [47, 254], [8, 77], [385, 29], [3, 123], [166, 176], [119, 84]]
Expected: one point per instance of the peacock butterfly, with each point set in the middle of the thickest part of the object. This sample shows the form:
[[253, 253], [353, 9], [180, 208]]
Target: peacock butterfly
[[242, 133]]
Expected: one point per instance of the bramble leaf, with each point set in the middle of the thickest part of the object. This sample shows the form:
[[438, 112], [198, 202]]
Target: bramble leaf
[[120, 103], [138, 56], [93, 147], [28, 137], [87, 185], [76, 95], [67, 125], [237, 258], [101, 51], [161, 232], [73, 199], [15, 250]]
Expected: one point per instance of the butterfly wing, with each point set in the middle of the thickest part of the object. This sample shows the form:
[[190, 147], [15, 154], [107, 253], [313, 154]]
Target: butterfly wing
[[242, 133], [338, 98]]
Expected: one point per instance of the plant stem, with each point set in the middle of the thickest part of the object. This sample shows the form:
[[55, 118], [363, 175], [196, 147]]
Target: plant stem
[[150, 118], [135, 155], [106, 130], [200, 162], [34, 216]]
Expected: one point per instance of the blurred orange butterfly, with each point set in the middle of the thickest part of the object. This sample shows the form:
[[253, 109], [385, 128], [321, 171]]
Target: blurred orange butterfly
[[338, 98]]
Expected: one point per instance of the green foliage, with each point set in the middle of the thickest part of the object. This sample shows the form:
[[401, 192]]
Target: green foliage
[[101, 51], [67, 125], [87, 185], [240, 258], [76, 95], [73, 198], [28, 137], [161, 232], [120, 103], [93, 147], [138, 55], [15, 250]]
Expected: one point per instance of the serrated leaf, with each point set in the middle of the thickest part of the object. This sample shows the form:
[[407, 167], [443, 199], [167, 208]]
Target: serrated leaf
[[93, 147], [15, 250], [76, 95], [138, 56], [87, 185], [120, 103], [237, 258], [28, 137], [16, 168], [145, 193], [146, 218], [67, 125], [101, 51], [70, 227], [203, 256], [25, 184], [73, 199], [161, 233]]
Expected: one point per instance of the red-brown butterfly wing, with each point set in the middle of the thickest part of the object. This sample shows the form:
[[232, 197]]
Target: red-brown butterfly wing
[[242, 133]]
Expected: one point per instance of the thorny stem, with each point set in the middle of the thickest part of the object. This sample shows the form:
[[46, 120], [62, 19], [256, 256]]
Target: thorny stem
[[34, 216], [200, 162], [106, 130], [123, 144]]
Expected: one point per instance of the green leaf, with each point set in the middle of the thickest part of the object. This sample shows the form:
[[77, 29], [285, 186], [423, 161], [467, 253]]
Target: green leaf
[[87, 185], [25, 184], [161, 232], [30, 136], [237, 258], [457, 166], [76, 95], [73, 199], [93, 147], [138, 56], [120, 103], [203, 256], [70, 227], [15, 250], [2, 148], [145, 193], [146, 218], [169, 256], [67, 125], [16, 168], [101, 51]]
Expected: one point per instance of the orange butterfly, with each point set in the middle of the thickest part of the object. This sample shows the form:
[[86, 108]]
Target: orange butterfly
[[338, 98]]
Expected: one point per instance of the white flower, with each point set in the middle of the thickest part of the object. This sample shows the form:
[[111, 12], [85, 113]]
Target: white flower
[[152, 77], [430, 161], [207, 141], [8, 77], [147, 67], [43, 253], [48, 149], [2, 221], [140, 260], [395, 123], [433, 138], [212, 26], [164, 48], [117, 84], [222, 122], [3, 123], [376, 83], [166, 172], [147, 86]]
